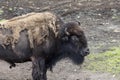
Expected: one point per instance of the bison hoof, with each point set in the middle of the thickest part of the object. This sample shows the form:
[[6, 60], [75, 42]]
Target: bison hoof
[[12, 65]]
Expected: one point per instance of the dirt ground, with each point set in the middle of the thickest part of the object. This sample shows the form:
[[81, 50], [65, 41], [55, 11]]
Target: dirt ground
[[100, 19]]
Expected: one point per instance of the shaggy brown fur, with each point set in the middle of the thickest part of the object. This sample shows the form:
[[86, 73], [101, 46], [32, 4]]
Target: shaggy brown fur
[[42, 38], [37, 24]]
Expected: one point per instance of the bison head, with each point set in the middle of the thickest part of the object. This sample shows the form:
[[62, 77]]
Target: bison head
[[73, 43]]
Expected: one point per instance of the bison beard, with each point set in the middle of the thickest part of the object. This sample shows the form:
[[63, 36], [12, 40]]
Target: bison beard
[[42, 38]]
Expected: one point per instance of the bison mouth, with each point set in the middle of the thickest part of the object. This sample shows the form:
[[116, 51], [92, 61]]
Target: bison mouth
[[78, 57]]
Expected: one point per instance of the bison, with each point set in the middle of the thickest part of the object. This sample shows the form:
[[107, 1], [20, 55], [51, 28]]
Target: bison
[[42, 38]]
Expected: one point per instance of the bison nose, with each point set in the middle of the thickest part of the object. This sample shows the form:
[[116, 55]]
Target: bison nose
[[86, 51]]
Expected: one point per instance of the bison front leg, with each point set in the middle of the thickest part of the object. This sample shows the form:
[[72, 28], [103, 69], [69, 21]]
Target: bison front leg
[[39, 69]]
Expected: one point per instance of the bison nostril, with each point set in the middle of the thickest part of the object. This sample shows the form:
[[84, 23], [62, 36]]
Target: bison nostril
[[87, 51]]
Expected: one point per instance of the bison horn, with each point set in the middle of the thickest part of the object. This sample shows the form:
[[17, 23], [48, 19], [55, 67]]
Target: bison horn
[[67, 33]]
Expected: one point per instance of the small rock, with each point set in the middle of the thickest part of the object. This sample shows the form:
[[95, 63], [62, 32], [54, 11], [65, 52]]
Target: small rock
[[113, 41], [113, 76], [117, 30], [114, 10]]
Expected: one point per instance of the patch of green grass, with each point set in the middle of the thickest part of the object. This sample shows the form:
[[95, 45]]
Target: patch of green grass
[[2, 20], [108, 61], [1, 11]]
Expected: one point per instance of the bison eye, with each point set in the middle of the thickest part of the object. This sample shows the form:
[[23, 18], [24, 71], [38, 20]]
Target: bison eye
[[75, 38], [65, 38]]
